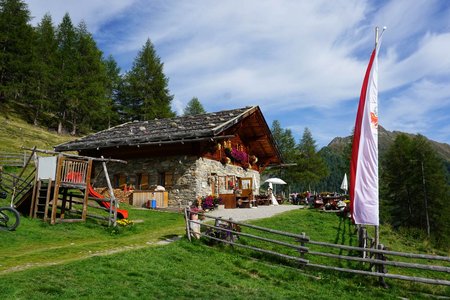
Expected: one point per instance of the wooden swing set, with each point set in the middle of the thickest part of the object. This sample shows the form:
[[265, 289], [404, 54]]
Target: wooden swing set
[[62, 191]]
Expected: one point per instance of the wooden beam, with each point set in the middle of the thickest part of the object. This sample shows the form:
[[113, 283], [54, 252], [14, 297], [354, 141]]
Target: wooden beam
[[75, 156], [57, 185]]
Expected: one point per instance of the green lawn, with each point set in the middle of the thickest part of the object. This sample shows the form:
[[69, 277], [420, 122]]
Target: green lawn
[[67, 261]]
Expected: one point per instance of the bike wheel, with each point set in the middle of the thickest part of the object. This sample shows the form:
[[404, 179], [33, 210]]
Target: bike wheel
[[9, 218]]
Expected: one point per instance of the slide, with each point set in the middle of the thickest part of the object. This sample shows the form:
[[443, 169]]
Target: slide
[[121, 213]]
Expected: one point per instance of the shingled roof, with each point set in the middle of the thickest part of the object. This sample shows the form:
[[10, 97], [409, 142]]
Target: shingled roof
[[179, 129]]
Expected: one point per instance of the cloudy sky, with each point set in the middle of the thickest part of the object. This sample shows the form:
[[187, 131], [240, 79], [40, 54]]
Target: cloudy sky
[[302, 62]]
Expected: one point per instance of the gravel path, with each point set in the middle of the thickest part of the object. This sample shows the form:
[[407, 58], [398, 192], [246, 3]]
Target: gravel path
[[260, 212]]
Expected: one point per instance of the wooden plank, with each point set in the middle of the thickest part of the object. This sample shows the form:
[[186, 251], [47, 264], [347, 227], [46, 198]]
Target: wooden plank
[[387, 252], [57, 185], [113, 200], [302, 249], [386, 275], [86, 189], [186, 219], [36, 199]]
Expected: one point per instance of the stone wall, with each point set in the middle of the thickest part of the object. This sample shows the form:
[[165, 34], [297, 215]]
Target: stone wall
[[192, 176], [206, 167]]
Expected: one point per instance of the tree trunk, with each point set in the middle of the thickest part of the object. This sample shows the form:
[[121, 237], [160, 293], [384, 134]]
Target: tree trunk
[[74, 127], [60, 127]]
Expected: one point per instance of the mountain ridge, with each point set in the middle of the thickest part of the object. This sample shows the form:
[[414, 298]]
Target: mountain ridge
[[386, 139]]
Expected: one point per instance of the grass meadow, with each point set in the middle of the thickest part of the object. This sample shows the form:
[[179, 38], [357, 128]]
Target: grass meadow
[[90, 261]]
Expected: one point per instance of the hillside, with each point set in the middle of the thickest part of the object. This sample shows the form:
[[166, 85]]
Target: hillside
[[333, 155], [385, 140], [15, 133]]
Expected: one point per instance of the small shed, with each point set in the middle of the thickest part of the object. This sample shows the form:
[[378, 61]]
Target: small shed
[[190, 156]]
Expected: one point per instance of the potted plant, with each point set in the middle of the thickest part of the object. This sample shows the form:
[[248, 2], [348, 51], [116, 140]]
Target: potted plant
[[208, 202], [218, 203]]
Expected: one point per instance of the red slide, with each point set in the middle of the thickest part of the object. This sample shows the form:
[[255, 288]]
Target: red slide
[[121, 213]]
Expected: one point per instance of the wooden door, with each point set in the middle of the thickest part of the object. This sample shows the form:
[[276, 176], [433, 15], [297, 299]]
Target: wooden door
[[246, 185]]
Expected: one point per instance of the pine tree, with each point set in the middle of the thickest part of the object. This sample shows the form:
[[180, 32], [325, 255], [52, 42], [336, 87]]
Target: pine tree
[[194, 107], [42, 87], [144, 94], [88, 106], [337, 168], [310, 167], [112, 90], [415, 193], [15, 52], [67, 68], [286, 145]]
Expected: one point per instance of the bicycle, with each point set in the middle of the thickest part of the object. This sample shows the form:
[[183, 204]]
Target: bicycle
[[9, 216]]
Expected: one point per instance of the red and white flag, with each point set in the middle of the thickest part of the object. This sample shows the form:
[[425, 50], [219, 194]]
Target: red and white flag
[[364, 162]]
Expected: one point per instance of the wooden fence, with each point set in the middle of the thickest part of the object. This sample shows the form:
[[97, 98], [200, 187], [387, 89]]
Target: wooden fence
[[13, 159], [376, 262]]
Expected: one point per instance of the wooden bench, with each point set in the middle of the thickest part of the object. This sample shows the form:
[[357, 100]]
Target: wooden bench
[[263, 201], [280, 200], [243, 203]]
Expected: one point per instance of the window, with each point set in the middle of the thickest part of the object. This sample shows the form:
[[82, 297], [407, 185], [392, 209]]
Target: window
[[142, 181], [120, 180], [165, 179]]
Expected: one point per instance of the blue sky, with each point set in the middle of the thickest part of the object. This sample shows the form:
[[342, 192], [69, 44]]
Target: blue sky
[[302, 62]]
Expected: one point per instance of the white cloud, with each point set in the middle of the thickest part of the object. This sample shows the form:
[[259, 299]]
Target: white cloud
[[286, 56], [94, 13], [418, 108], [430, 59]]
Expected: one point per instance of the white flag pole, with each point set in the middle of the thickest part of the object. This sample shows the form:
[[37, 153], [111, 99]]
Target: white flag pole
[[377, 227]]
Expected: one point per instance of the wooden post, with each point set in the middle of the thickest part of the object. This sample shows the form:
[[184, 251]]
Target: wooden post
[[35, 190], [63, 202], [377, 236], [113, 201], [230, 227], [57, 184], [302, 243], [381, 268], [35, 199], [86, 190], [187, 218]]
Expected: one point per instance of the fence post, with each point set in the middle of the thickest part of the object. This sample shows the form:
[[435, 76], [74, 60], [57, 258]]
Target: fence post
[[230, 233], [381, 268], [302, 243], [362, 239], [186, 218]]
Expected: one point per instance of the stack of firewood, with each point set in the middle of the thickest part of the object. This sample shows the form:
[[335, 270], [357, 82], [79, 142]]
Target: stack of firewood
[[123, 197]]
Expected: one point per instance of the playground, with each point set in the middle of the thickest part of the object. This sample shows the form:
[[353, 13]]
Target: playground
[[56, 187]]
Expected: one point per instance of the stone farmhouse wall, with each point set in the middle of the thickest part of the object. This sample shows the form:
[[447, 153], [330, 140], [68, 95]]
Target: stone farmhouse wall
[[192, 176]]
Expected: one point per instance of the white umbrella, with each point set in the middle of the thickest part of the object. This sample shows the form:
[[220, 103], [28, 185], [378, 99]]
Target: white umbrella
[[344, 185], [275, 181]]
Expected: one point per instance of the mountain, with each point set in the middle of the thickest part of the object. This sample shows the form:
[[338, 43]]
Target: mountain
[[385, 140], [334, 155]]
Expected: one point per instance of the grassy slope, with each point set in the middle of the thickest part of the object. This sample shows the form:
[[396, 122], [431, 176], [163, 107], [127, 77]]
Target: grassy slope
[[184, 270], [65, 261], [15, 133]]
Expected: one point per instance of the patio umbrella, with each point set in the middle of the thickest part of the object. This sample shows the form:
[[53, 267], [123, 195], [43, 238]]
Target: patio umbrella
[[344, 185], [275, 180]]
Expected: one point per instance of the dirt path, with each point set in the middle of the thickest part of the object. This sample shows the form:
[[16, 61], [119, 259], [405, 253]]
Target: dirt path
[[91, 254], [260, 212]]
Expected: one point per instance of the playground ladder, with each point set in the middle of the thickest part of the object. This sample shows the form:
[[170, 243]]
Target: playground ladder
[[41, 199]]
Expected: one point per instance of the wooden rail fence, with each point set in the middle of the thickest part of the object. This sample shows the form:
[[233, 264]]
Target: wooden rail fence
[[229, 231], [13, 159]]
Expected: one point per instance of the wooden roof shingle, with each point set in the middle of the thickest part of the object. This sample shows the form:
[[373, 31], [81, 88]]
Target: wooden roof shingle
[[186, 128]]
